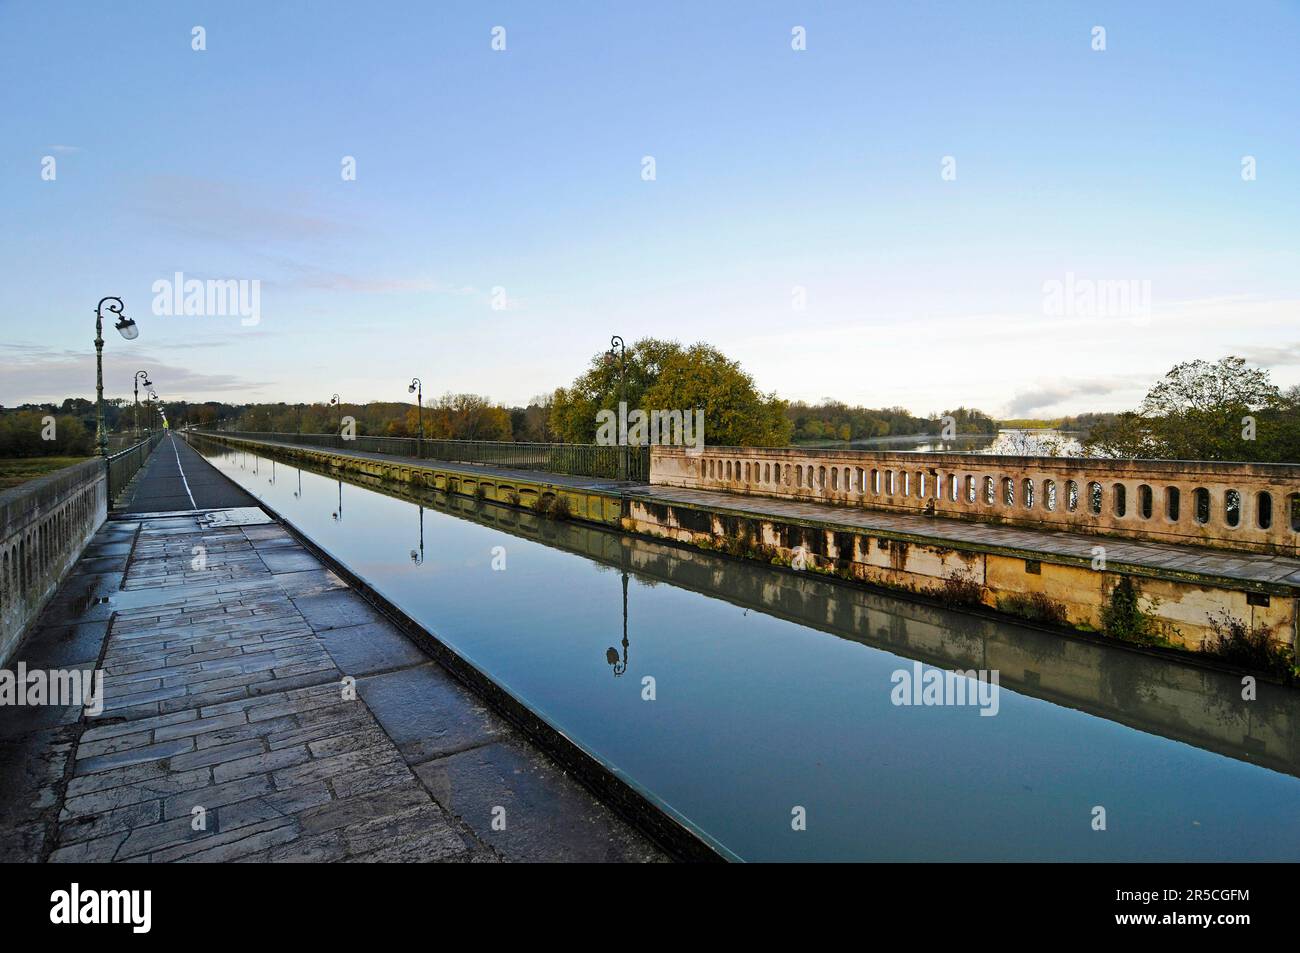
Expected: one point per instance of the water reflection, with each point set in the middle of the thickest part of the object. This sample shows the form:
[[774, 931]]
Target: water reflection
[[773, 690], [417, 556], [1012, 442], [611, 654]]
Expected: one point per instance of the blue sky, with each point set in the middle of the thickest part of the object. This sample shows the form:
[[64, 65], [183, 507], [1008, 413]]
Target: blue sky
[[775, 169]]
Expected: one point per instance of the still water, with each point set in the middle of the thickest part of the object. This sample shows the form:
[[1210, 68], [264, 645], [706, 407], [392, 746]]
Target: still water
[[772, 693], [1014, 442]]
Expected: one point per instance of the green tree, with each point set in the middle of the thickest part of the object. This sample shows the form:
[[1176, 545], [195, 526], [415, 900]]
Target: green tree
[[1198, 411], [663, 375]]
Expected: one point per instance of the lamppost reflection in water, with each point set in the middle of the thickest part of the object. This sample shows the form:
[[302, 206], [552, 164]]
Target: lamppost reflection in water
[[298, 492], [418, 557], [611, 653], [338, 514]]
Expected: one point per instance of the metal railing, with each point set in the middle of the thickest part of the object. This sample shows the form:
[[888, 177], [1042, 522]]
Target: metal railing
[[124, 464], [575, 459]]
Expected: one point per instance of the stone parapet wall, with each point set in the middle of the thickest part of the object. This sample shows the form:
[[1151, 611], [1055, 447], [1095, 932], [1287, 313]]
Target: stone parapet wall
[[1241, 506], [44, 526]]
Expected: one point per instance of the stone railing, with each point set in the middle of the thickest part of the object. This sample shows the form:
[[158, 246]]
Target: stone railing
[[1247, 506], [44, 526]]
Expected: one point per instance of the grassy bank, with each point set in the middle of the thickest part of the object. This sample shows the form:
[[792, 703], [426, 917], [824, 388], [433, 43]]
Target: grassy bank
[[16, 470]]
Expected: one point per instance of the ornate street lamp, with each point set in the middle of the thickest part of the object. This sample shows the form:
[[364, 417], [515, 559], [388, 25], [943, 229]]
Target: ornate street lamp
[[418, 557], [619, 350], [611, 653], [140, 376], [417, 388], [128, 329], [334, 402]]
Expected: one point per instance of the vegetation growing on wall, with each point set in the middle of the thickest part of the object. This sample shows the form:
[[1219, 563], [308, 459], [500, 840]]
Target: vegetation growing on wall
[[1124, 618], [1034, 606], [961, 588], [1249, 646]]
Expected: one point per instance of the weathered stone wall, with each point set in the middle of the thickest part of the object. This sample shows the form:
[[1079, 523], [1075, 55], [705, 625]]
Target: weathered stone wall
[[1245, 506], [44, 526], [1017, 583]]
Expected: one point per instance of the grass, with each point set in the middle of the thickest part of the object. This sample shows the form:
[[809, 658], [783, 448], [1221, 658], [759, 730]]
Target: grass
[[18, 470]]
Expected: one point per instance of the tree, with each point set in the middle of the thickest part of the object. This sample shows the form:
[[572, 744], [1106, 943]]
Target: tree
[[466, 417], [1202, 410], [663, 375]]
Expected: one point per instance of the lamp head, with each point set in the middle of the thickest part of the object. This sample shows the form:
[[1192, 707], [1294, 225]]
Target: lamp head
[[127, 328]]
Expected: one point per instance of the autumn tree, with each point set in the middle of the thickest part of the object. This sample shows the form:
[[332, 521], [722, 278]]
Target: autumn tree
[[1204, 410], [664, 375]]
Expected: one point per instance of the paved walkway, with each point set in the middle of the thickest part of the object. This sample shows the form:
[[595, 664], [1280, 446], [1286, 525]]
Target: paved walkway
[[1248, 567], [229, 731], [175, 478]]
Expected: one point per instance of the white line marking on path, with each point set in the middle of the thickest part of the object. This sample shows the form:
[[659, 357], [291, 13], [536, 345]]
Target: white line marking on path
[[182, 469]]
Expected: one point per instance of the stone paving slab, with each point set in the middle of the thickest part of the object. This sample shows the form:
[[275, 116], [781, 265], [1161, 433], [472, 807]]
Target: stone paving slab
[[1247, 567], [229, 731]]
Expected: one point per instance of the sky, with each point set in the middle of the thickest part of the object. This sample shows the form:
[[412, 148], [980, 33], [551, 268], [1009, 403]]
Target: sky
[[878, 217]]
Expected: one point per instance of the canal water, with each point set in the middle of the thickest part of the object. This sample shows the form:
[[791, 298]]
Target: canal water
[[758, 706]]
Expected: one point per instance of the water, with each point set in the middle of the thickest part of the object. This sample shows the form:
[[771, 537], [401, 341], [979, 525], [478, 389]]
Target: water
[[1022, 443], [773, 693]]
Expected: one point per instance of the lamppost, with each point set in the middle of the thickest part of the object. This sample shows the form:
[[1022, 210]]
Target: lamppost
[[135, 413], [151, 396], [618, 349], [417, 388], [129, 330], [611, 653], [334, 402], [418, 557]]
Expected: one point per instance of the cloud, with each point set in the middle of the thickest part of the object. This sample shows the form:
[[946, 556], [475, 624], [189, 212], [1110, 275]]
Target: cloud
[[1282, 356], [235, 214], [1042, 399], [32, 374]]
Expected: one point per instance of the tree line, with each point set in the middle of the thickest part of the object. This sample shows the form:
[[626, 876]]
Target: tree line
[[1222, 410]]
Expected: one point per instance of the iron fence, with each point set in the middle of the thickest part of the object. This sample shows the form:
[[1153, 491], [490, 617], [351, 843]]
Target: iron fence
[[124, 464], [575, 459]]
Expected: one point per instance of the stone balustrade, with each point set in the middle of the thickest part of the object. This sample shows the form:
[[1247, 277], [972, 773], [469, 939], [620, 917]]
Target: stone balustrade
[[44, 525], [1253, 507]]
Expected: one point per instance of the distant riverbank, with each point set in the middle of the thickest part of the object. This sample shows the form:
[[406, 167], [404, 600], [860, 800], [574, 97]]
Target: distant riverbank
[[1020, 442]]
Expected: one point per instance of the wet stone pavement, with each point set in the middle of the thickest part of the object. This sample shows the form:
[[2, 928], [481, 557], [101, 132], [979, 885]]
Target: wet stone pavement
[[228, 732]]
